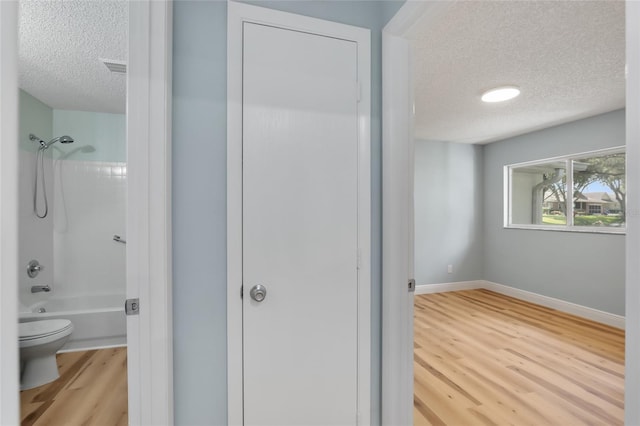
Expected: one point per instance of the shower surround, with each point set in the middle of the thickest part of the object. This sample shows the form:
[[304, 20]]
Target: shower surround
[[89, 200]]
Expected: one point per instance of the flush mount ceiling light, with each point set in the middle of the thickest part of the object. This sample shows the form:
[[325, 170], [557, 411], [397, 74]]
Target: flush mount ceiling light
[[500, 94]]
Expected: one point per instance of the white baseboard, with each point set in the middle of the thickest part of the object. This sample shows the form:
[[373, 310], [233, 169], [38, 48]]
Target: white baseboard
[[91, 344], [607, 318], [441, 288]]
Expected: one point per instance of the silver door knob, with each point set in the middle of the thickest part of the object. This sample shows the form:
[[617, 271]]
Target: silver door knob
[[258, 292]]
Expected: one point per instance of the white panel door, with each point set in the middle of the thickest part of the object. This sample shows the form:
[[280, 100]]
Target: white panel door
[[300, 189]]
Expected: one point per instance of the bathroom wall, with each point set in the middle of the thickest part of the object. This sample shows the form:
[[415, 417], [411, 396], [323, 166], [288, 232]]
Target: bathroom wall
[[106, 133], [90, 197], [36, 235]]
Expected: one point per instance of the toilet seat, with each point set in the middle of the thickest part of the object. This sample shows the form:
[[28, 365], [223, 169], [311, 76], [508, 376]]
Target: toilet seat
[[40, 329]]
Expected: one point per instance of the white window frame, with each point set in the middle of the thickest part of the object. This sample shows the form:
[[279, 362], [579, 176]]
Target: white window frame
[[569, 227]]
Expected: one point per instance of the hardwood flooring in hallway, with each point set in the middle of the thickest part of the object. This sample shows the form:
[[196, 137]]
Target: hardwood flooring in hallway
[[91, 390], [482, 358]]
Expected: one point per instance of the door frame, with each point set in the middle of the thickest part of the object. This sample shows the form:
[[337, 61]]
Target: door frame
[[397, 212], [150, 364], [149, 255], [632, 279], [238, 14], [9, 371], [397, 157]]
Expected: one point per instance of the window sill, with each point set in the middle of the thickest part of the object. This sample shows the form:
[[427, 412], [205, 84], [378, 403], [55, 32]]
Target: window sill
[[578, 229]]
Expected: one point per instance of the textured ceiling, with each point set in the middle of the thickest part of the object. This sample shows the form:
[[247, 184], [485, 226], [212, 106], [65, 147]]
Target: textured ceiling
[[60, 46], [567, 57]]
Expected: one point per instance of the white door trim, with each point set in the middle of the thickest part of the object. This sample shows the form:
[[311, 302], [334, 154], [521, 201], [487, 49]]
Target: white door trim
[[397, 362], [632, 281], [9, 380], [148, 216], [397, 214], [237, 14], [150, 348], [397, 402]]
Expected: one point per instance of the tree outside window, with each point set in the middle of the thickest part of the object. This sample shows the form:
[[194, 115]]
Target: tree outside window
[[599, 183]]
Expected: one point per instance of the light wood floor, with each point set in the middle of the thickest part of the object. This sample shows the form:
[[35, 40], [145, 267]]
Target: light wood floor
[[481, 358], [91, 390]]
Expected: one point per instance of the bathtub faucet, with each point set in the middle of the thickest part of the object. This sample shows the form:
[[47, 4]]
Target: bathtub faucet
[[39, 288]]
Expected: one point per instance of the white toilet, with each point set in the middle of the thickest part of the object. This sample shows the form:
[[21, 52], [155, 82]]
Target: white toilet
[[39, 342]]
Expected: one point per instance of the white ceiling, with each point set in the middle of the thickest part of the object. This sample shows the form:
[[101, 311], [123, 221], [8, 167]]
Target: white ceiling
[[60, 46], [567, 57]]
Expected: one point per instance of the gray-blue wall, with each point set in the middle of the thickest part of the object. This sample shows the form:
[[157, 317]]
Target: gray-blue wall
[[449, 210], [583, 268], [199, 195]]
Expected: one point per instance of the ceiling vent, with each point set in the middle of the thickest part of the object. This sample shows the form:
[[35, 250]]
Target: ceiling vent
[[118, 67]]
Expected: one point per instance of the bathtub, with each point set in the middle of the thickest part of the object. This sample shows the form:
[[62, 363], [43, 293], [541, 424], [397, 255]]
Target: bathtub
[[98, 321]]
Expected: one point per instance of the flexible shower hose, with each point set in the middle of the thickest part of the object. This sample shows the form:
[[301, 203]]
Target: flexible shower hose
[[40, 162]]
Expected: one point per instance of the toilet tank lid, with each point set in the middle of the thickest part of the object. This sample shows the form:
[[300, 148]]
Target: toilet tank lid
[[42, 328]]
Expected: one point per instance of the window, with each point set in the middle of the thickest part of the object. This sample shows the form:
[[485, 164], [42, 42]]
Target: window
[[595, 209], [536, 193]]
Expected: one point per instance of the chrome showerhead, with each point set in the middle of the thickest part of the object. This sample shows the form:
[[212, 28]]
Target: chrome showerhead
[[45, 145], [66, 139], [61, 139]]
